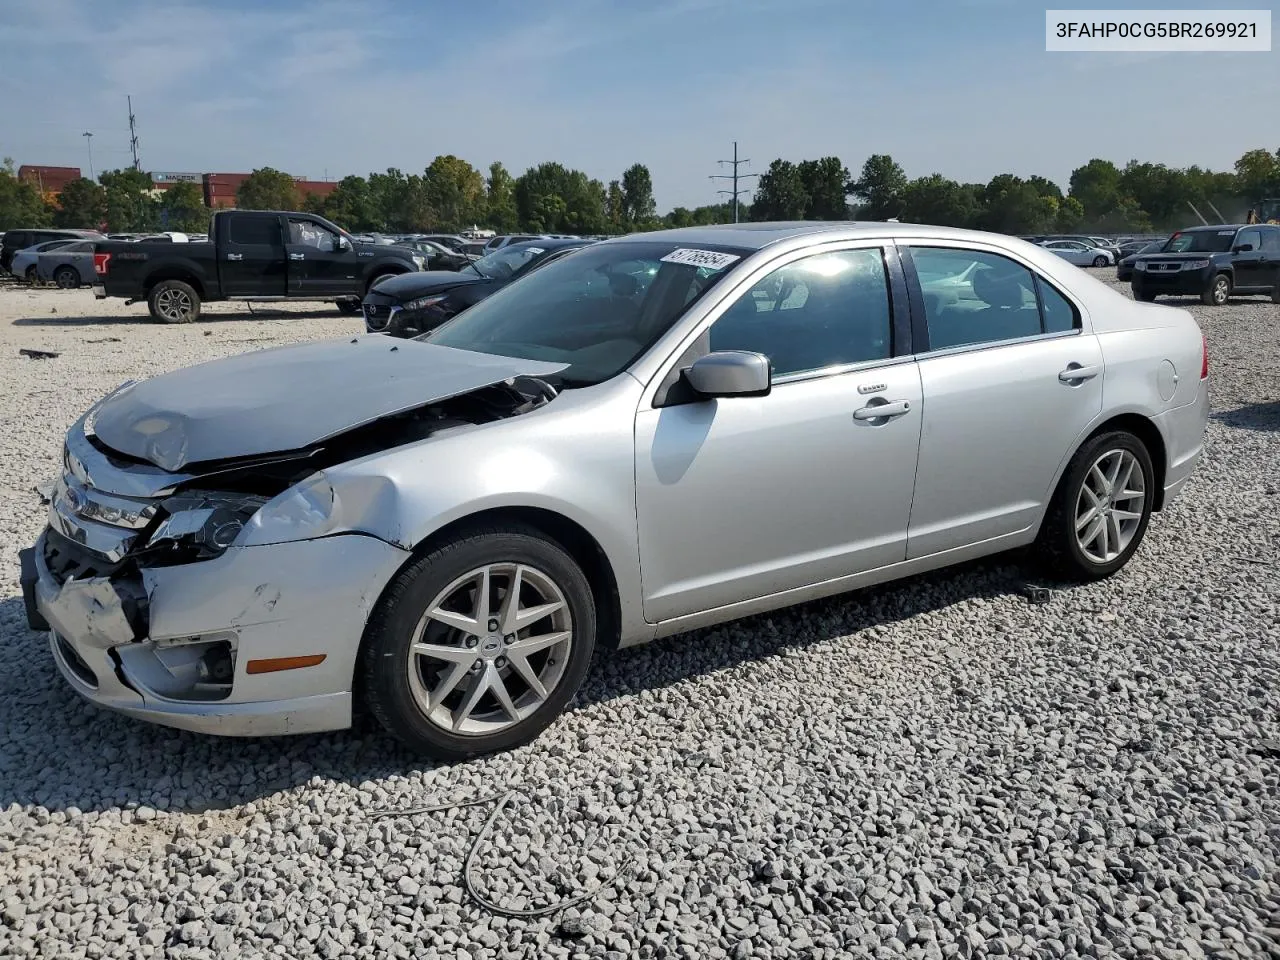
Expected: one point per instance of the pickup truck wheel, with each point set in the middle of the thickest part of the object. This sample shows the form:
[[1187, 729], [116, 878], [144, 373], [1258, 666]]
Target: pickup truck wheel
[[349, 307], [67, 278], [1218, 291], [172, 301], [479, 644]]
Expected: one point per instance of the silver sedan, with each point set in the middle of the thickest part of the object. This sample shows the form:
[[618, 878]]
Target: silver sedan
[[68, 266], [1081, 253], [654, 434]]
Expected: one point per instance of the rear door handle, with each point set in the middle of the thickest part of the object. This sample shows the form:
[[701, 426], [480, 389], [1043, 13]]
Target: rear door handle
[[297, 256], [882, 411], [235, 256], [1076, 373]]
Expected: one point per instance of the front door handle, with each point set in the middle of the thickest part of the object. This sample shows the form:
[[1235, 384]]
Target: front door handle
[[297, 256], [235, 256], [883, 410], [1075, 373]]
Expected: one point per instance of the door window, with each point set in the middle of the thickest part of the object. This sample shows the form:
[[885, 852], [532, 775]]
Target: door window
[[825, 310], [1271, 240], [307, 233], [259, 231], [1252, 237], [973, 297]]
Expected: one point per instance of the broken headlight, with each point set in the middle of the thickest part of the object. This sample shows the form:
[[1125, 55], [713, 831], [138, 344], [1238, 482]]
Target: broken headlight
[[205, 522], [303, 512]]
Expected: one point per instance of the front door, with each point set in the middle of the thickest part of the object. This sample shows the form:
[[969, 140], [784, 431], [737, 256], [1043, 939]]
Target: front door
[[743, 497], [318, 264], [1010, 382], [251, 257], [1250, 266]]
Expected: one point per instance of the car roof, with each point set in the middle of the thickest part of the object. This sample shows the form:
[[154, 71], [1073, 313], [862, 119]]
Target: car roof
[[1220, 226], [757, 236]]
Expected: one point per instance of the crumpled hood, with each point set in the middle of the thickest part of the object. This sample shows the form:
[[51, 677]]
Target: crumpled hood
[[288, 398]]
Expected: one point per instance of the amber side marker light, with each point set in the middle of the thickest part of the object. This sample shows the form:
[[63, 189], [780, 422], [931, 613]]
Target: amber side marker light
[[283, 663]]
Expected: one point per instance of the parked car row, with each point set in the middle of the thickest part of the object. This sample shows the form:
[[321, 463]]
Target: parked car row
[[14, 241]]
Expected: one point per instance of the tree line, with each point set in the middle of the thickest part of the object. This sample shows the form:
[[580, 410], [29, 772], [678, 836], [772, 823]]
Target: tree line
[[450, 194]]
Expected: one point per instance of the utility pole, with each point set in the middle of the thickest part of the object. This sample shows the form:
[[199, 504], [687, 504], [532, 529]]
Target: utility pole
[[735, 177], [133, 136], [88, 139]]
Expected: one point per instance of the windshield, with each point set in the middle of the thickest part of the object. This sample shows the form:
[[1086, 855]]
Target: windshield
[[597, 309], [505, 263], [1200, 241]]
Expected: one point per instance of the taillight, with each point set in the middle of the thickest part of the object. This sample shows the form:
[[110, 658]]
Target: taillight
[[100, 261], [1204, 358]]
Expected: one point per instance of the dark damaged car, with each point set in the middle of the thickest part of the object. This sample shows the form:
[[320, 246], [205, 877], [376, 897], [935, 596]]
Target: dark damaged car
[[413, 304]]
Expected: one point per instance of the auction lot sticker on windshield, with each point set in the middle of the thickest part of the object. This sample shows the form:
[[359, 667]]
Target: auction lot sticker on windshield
[[701, 258]]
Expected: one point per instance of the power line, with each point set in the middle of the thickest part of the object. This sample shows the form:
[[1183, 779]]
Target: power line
[[133, 136], [735, 177]]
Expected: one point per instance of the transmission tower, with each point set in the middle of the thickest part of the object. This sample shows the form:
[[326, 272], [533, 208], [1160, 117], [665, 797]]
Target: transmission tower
[[133, 136], [735, 177]]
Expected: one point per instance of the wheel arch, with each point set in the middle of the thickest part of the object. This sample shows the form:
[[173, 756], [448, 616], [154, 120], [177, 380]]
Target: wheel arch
[[571, 536], [173, 273], [391, 268], [1144, 429]]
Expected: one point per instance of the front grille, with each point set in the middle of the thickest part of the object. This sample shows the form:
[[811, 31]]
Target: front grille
[[1163, 267], [377, 315], [68, 560]]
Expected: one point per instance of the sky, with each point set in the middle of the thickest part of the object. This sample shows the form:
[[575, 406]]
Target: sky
[[322, 89]]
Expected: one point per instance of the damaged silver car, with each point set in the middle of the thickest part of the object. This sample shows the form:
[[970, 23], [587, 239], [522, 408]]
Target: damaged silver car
[[653, 434]]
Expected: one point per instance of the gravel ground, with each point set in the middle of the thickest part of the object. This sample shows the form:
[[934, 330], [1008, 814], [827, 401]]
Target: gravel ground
[[933, 769]]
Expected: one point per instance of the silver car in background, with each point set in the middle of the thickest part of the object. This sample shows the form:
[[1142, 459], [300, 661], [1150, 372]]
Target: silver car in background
[[25, 262], [653, 434], [67, 266], [1080, 253]]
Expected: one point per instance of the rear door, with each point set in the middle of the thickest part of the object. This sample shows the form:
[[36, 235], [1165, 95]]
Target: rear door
[[1010, 378], [1271, 256], [251, 257]]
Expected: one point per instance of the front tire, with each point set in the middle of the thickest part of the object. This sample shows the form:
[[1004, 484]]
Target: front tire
[[1100, 511], [1144, 296], [349, 307], [67, 278], [172, 301], [1218, 291], [455, 664], [1099, 261]]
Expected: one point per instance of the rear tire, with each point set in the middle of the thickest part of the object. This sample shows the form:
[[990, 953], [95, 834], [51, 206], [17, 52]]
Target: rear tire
[[1100, 511], [1218, 292], [31, 274], [349, 307], [172, 301], [431, 682], [67, 278]]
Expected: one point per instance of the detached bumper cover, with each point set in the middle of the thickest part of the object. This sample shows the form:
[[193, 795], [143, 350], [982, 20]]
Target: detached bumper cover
[[120, 642]]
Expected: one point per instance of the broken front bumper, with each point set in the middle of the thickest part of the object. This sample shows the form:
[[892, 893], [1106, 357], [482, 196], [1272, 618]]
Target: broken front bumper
[[135, 643]]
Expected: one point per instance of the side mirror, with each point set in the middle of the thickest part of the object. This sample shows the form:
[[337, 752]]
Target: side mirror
[[1243, 248], [343, 245], [730, 373]]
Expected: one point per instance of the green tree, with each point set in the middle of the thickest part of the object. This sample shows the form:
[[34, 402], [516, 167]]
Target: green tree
[[81, 204], [455, 193], [880, 187], [350, 205], [1258, 174], [183, 209], [780, 193], [1097, 186], [500, 200], [937, 200], [825, 184], [614, 208], [20, 202], [1044, 187], [129, 204], [1158, 190], [638, 208], [1012, 205], [268, 189], [1070, 215], [551, 198], [389, 200]]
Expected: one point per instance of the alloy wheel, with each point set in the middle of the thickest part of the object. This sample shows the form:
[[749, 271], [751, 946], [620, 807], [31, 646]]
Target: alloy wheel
[[1221, 288], [173, 305], [1109, 506], [490, 649]]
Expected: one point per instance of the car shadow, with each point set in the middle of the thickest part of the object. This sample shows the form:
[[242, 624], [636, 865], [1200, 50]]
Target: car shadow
[[142, 318], [1254, 416], [79, 755]]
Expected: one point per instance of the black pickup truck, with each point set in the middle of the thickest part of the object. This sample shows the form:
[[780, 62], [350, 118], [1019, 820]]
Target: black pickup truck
[[250, 255]]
